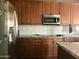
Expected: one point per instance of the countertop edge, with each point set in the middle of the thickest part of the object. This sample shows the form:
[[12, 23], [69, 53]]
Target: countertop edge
[[58, 43]]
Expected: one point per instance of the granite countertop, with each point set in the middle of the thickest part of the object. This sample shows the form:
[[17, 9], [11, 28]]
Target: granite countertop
[[71, 47]]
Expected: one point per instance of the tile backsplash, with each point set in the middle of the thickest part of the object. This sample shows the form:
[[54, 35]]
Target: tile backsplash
[[46, 29], [39, 29]]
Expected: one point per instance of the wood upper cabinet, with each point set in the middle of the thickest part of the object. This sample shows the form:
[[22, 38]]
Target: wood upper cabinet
[[55, 8], [75, 14], [25, 7], [36, 12], [46, 7], [65, 9], [31, 11]]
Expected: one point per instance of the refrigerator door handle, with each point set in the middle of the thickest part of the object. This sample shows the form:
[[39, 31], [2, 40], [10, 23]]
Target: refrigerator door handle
[[11, 35]]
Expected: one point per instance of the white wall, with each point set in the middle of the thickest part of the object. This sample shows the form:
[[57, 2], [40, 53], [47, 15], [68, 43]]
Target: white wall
[[70, 1]]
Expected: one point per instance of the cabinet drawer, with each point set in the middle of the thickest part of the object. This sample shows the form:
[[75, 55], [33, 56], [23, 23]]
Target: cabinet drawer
[[69, 40], [58, 40], [35, 40]]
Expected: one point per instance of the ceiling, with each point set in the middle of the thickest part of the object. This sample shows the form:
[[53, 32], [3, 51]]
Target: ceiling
[[77, 1], [70, 1]]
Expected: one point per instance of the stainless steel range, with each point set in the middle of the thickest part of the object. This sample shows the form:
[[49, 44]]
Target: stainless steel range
[[8, 30]]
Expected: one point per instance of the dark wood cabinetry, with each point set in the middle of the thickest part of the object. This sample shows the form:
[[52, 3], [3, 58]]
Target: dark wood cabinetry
[[36, 12], [47, 47], [31, 11], [69, 13], [69, 39], [34, 47], [46, 7], [65, 13], [22, 47], [76, 39], [55, 8], [38, 47], [75, 13], [25, 12], [55, 45]]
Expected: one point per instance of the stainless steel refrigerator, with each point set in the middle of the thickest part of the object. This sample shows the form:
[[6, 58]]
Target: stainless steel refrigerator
[[8, 30]]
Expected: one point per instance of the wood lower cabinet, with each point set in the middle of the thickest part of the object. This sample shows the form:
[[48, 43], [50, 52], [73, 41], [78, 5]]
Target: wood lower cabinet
[[69, 39], [22, 47], [77, 39], [38, 47], [35, 47], [47, 47], [55, 45]]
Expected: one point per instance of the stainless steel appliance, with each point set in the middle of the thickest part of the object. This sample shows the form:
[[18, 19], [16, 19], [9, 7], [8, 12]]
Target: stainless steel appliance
[[8, 30], [52, 19]]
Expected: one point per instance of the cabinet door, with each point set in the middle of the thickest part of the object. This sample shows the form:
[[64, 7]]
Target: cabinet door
[[65, 13], [76, 39], [46, 7], [22, 47], [55, 45], [19, 12], [50, 47], [17, 5], [36, 12], [55, 8], [25, 12], [75, 14], [47, 47], [69, 39], [35, 47]]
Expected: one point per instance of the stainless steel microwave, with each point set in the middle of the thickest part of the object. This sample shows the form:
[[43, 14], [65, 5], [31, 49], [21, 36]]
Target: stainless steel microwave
[[51, 19]]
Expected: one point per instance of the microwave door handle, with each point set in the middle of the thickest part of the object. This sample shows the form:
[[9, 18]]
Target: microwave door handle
[[56, 20]]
